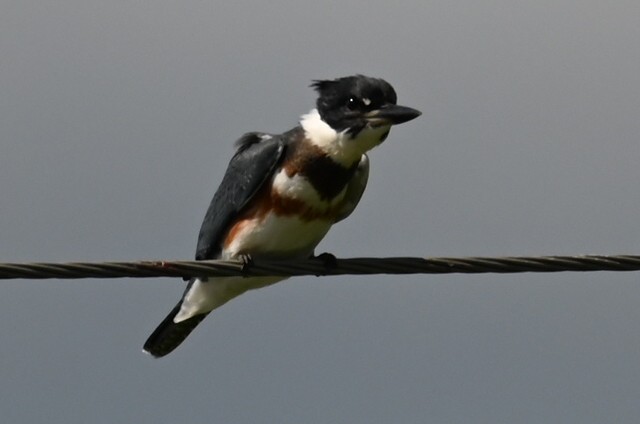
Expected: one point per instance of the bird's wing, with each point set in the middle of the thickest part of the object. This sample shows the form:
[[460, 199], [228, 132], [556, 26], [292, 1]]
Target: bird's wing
[[355, 189], [257, 157]]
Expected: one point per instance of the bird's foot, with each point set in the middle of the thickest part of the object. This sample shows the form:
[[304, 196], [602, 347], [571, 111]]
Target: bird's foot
[[246, 261], [329, 261]]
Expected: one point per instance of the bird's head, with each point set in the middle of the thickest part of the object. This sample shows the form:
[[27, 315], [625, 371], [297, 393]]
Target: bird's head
[[358, 102], [359, 110]]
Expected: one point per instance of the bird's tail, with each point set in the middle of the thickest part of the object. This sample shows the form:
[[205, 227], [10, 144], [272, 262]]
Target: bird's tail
[[169, 334]]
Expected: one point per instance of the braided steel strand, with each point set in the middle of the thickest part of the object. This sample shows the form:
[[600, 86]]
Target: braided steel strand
[[352, 266]]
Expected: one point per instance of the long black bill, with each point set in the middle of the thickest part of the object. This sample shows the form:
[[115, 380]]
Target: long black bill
[[391, 115]]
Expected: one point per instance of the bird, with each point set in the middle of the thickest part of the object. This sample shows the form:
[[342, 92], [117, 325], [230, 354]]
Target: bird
[[281, 193]]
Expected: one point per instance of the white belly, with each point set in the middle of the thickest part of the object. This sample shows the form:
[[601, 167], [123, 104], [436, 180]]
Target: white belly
[[277, 236]]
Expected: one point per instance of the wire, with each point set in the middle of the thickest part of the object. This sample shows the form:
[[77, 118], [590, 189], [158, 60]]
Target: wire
[[318, 267]]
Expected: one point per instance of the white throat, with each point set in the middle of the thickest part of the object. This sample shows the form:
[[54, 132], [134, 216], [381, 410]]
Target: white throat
[[339, 146]]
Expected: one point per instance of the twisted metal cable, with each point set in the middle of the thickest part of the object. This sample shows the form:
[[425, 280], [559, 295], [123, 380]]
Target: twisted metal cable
[[318, 267]]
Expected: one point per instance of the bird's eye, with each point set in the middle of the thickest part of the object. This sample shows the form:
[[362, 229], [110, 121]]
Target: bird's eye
[[352, 103]]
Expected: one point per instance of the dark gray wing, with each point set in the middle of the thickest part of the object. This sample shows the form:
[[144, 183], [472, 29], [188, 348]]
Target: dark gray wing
[[355, 188], [257, 157]]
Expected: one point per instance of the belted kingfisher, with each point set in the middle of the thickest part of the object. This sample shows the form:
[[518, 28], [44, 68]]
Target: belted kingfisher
[[281, 193]]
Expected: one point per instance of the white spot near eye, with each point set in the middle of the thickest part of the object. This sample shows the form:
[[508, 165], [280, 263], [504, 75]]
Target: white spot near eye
[[366, 101]]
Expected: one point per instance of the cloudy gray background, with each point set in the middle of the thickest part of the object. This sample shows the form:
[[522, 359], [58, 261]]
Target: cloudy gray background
[[116, 124]]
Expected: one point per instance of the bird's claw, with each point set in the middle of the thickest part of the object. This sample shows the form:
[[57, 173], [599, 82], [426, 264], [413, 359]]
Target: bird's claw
[[246, 261]]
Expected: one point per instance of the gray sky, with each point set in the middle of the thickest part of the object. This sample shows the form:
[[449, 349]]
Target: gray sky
[[116, 124]]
